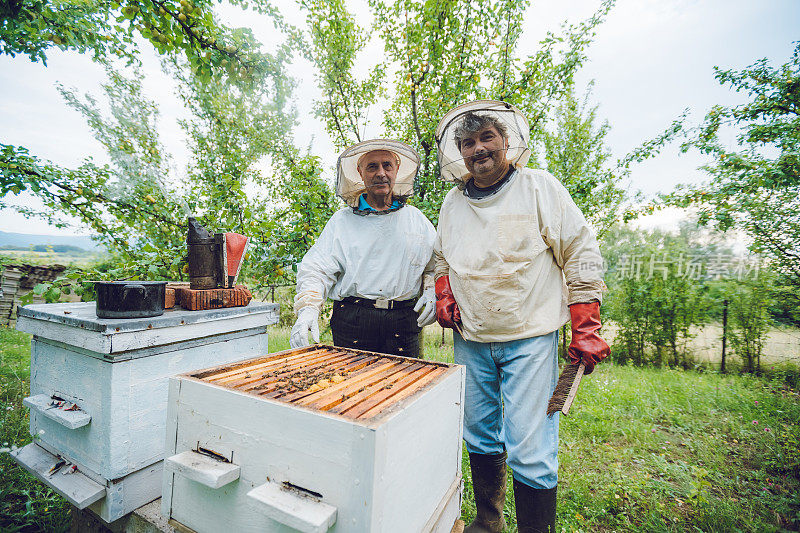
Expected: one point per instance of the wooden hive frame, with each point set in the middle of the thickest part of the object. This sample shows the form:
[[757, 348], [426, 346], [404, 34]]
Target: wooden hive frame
[[356, 384], [316, 438]]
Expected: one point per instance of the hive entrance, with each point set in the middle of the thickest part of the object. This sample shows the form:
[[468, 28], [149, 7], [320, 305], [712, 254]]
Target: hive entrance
[[351, 383]]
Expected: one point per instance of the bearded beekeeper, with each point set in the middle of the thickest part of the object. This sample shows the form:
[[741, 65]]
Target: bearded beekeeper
[[374, 258], [515, 260]]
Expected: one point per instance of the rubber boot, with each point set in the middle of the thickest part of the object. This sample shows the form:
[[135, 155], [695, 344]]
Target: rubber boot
[[489, 486], [536, 508]]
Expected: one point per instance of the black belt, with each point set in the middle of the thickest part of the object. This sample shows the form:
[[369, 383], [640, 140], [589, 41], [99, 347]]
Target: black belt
[[380, 303]]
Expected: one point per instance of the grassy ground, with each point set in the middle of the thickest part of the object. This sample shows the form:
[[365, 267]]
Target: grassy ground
[[25, 504], [643, 450]]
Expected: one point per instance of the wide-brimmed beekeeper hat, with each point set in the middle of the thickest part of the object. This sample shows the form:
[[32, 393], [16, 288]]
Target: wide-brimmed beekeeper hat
[[451, 164], [349, 185]]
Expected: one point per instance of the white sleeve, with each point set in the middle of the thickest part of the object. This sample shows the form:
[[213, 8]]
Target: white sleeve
[[318, 271], [430, 267], [440, 266], [573, 242]]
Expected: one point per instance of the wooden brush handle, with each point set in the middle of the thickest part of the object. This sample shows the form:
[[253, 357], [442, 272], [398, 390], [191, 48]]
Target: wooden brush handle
[[573, 389]]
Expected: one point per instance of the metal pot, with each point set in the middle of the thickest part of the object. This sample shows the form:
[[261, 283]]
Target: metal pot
[[130, 299]]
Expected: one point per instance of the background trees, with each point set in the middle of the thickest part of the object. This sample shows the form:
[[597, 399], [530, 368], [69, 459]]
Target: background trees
[[755, 184], [138, 204], [246, 174], [657, 295], [441, 53], [111, 28], [575, 152]]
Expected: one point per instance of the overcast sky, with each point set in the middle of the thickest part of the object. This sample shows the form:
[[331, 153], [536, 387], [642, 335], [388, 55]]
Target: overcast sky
[[651, 59]]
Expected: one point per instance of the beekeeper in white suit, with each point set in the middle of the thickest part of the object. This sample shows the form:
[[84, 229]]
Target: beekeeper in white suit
[[374, 258], [515, 260]]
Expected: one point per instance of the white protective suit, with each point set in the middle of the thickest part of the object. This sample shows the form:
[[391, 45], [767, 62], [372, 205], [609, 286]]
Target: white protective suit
[[373, 256], [505, 255]]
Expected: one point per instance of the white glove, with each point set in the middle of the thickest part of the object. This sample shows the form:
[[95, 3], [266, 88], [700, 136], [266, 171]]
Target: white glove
[[306, 321], [426, 307]]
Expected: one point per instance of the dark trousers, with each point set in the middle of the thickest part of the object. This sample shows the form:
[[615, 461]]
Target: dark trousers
[[390, 331]]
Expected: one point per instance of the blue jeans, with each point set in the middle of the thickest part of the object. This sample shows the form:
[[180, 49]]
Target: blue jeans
[[525, 372]]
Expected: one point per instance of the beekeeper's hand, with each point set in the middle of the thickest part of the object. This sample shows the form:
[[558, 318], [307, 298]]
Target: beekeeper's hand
[[426, 307], [586, 345], [306, 321], [447, 312]]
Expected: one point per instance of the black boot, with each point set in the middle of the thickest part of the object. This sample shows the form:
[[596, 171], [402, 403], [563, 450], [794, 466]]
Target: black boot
[[489, 487], [536, 508]]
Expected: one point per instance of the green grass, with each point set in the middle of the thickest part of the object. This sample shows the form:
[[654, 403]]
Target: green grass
[[25, 504], [642, 450]]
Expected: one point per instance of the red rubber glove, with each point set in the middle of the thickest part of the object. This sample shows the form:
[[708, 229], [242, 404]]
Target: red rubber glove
[[447, 312], [586, 345]]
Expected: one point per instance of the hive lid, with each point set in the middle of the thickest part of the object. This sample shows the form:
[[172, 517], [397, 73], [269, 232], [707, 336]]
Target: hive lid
[[355, 384], [77, 324]]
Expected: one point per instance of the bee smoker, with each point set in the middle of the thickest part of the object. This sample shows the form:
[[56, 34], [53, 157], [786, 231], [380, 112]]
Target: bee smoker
[[206, 257]]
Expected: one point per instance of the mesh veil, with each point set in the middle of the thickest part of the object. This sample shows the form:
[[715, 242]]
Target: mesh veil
[[349, 185], [451, 164]]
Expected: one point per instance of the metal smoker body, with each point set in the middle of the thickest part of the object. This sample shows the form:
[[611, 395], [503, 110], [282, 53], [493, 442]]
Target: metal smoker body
[[206, 258]]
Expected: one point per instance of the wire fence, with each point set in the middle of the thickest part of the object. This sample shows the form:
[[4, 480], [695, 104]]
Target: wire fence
[[782, 344], [269, 291]]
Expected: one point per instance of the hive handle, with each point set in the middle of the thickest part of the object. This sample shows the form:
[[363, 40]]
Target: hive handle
[[292, 507]]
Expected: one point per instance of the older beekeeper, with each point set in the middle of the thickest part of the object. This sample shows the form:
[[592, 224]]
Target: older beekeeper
[[374, 258], [515, 260]]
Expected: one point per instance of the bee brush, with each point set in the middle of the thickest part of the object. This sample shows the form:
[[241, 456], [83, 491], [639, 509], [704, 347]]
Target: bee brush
[[566, 388]]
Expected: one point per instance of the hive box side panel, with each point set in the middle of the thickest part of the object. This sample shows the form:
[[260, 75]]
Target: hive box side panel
[[127, 399], [125, 495], [79, 379], [94, 341], [444, 518], [419, 456], [134, 340], [78, 325], [149, 390], [170, 441], [270, 441], [159, 350]]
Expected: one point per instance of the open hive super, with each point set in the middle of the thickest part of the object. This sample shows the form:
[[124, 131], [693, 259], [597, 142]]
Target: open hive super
[[316, 439], [351, 383]]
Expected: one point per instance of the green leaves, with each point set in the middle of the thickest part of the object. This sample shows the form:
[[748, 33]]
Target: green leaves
[[246, 174], [109, 29], [754, 184], [576, 154], [658, 293], [441, 53]]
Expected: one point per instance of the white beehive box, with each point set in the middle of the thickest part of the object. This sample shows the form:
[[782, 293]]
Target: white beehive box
[[115, 373], [316, 439]]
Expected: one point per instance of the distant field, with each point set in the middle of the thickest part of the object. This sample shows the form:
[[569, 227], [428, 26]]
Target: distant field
[[73, 258], [781, 346]]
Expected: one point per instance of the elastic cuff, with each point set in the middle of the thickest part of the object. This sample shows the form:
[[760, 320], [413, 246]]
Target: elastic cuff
[[586, 302]]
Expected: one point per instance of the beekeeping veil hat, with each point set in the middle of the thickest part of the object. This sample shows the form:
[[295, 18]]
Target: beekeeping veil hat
[[451, 164], [349, 185]]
